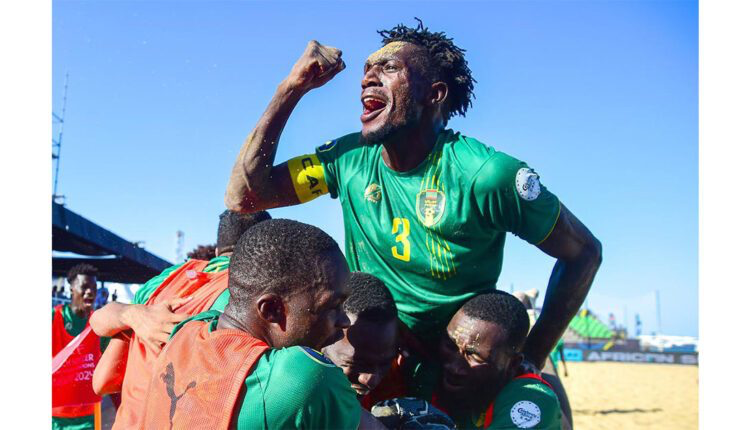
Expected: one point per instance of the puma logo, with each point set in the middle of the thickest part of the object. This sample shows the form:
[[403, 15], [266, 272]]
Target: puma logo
[[169, 379]]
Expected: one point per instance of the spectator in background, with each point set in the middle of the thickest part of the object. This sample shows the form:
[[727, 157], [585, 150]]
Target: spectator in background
[[114, 296], [68, 321], [101, 298]]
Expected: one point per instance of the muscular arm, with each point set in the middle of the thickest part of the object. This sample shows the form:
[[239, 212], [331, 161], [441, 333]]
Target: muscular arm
[[579, 255], [255, 183]]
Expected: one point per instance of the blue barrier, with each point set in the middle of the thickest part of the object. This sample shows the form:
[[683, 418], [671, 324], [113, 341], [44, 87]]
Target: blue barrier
[[572, 354]]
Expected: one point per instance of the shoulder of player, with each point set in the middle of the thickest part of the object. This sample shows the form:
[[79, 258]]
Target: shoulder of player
[[143, 293], [304, 358], [313, 372], [478, 160], [528, 390], [526, 403], [207, 316], [341, 145]]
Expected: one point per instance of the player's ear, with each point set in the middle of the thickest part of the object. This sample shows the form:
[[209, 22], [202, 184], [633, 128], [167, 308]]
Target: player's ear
[[270, 308], [438, 93]]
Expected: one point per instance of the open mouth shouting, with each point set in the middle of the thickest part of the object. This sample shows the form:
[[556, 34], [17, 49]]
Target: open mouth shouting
[[373, 105]]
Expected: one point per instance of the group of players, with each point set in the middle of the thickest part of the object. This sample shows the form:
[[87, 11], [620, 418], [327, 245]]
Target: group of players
[[276, 332]]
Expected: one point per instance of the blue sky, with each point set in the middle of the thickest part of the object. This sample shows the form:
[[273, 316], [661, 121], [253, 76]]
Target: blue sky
[[601, 98]]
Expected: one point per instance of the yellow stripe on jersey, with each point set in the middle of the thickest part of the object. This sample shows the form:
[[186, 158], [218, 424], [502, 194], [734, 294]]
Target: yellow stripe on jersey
[[307, 177]]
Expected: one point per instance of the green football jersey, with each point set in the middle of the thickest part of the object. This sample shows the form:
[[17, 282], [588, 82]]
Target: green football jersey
[[434, 234], [522, 404], [292, 388]]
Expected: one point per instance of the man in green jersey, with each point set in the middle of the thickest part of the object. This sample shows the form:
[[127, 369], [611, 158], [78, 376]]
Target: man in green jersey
[[154, 323], [369, 346], [426, 209], [72, 319], [480, 354], [287, 283]]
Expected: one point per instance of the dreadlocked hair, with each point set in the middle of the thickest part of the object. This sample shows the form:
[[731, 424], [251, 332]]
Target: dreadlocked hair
[[447, 63]]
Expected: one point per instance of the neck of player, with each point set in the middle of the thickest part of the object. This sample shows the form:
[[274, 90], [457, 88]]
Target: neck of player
[[408, 147], [228, 320]]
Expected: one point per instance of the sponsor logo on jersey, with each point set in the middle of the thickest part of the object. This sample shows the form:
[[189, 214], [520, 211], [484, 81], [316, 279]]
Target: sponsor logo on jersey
[[527, 184], [525, 414], [430, 206], [327, 146], [373, 193], [169, 380]]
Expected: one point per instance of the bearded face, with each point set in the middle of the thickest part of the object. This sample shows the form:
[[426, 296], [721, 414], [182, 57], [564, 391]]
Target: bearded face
[[392, 88]]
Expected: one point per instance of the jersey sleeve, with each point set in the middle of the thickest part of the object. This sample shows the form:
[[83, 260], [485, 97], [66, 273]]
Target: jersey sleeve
[[510, 196], [531, 405], [144, 293], [328, 156], [317, 396], [335, 157]]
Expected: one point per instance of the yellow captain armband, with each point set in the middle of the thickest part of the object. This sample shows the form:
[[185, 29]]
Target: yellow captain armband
[[308, 177]]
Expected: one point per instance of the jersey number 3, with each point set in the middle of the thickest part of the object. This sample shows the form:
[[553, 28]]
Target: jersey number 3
[[402, 238]]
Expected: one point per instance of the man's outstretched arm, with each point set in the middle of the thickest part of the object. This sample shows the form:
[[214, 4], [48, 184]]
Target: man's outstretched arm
[[579, 255], [255, 183]]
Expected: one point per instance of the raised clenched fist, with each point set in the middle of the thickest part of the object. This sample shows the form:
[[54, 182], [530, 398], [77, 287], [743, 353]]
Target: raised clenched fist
[[317, 65]]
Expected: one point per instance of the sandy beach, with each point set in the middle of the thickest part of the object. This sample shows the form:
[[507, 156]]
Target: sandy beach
[[632, 396], [616, 396]]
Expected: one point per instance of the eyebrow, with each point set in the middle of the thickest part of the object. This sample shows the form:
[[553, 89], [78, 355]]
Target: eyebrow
[[382, 60]]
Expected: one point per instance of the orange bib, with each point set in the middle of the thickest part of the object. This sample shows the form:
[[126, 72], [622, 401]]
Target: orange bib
[[72, 395], [60, 337], [187, 281], [198, 378]]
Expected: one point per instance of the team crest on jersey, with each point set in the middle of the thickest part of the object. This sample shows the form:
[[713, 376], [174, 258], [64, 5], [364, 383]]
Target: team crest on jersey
[[373, 193], [430, 206]]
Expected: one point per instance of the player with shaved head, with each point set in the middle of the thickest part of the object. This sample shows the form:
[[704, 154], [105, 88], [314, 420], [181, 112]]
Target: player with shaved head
[[258, 365]]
